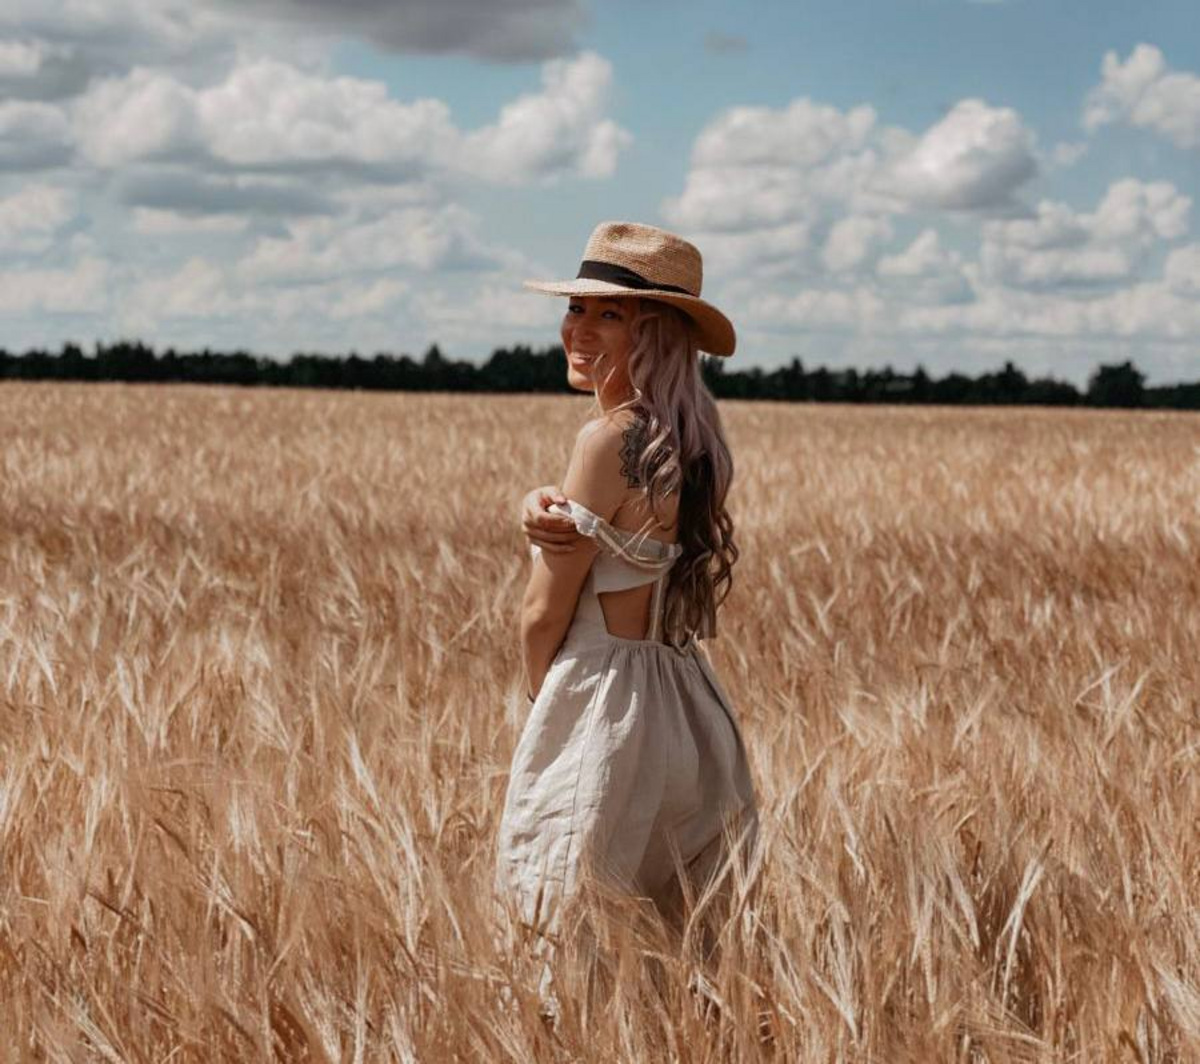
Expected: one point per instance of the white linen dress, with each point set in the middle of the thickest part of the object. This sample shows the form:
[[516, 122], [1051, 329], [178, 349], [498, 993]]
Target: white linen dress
[[631, 748]]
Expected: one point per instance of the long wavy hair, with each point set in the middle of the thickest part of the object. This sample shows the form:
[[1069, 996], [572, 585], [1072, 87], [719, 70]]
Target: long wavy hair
[[681, 448]]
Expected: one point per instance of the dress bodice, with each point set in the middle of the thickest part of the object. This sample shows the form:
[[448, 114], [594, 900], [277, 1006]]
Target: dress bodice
[[626, 559]]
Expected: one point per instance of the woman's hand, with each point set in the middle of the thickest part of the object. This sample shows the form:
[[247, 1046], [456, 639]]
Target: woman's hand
[[551, 532]]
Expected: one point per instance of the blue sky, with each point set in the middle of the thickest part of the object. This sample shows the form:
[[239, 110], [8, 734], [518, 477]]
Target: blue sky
[[949, 183]]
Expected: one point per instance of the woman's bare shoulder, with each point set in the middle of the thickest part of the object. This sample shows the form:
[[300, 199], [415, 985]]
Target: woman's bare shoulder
[[595, 473], [624, 438], [613, 423]]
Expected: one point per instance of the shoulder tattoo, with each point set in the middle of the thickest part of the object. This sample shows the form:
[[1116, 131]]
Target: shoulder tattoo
[[633, 443]]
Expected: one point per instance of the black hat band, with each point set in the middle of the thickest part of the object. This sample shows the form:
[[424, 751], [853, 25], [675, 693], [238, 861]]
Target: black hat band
[[593, 270]]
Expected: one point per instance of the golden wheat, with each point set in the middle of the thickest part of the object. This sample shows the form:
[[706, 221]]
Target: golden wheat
[[261, 685]]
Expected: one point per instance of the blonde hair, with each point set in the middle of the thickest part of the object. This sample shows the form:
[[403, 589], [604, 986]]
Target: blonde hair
[[684, 450]]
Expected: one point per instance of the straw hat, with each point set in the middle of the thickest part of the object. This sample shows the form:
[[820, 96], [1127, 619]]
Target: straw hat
[[629, 259]]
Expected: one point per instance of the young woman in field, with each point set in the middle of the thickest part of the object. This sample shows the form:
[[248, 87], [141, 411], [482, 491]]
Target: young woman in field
[[631, 765]]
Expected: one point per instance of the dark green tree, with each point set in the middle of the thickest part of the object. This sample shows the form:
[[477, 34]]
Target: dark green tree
[[1121, 385]]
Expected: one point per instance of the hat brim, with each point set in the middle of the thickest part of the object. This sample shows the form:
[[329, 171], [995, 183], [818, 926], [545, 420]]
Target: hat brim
[[714, 332]]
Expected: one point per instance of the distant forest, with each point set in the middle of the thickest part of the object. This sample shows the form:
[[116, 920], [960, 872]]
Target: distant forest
[[522, 369]]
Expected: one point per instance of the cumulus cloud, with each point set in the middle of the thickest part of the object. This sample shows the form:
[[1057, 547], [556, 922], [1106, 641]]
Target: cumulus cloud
[[78, 40], [32, 69], [204, 292], [78, 289], [417, 238], [973, 159], [1181, 271], [53, 49], [559, 130], [269, 116], [21, 59], [1062, 247], [860, 308], [927, 272], [33, 136], [795, 212], [487, 312], [757, 167], [769, 253], [144, 115], [1147, 310], [763, 168], [196, 289], [852, 240], [809, 191], [924, 256], [330, 195], [375, 298], [31, 216], [1144, 92], [1067, 153]]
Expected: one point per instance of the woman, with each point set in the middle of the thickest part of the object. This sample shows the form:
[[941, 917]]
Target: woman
[[631, 764]]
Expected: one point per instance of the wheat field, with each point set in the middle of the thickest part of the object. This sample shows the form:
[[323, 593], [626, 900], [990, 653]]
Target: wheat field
[[260, 685]]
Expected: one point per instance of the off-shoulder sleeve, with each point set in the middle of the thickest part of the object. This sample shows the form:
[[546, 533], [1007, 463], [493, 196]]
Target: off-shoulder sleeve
[[639, 550]]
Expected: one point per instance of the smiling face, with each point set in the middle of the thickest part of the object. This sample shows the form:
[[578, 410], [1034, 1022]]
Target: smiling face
[[594, 326]]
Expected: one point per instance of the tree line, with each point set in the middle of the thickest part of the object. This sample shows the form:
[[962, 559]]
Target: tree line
[[523, 369]]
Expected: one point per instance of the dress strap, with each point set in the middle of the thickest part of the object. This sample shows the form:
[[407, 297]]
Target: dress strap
[[656, 604]]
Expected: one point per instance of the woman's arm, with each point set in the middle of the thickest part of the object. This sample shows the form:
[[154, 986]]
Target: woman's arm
[[593, 480]]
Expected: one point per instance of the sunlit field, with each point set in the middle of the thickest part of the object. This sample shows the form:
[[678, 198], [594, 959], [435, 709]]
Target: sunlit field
[[260, 685]]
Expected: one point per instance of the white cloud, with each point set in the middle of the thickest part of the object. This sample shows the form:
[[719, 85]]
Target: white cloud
[[33, 136], [1148, 311], [78, 40], [859, 309], [559, 130], [1063, 275], [1143, 92], [1061, 246], [81, 288], [269, 115], [492, 312], [21, 59], [1181, 271], [973, 159], [417, 238], [375, 298], [924, 256], [802, 135], [52, 49], [144, 115], [779, 251], [1067, 153], [808, 190], [30, 217], [1142, 212], [198, 289], [926, 272], [852, 240], [756, 167]]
